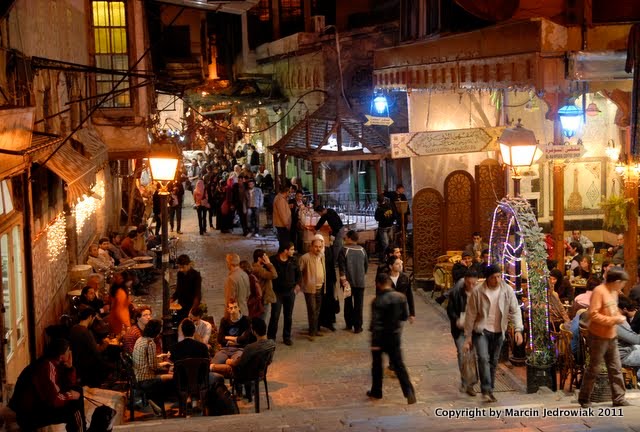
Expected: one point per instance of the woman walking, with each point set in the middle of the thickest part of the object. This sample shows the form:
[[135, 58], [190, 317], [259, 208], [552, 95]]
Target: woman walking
[[201, 200]]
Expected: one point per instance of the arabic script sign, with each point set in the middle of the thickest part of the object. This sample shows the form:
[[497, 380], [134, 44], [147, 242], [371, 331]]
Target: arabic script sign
[[378, 121], [444, 142], [572, 151]]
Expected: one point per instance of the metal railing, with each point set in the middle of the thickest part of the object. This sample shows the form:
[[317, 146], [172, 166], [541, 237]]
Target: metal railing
[[353, 209]]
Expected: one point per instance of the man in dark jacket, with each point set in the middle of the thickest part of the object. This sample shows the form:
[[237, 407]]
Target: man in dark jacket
[[385, 216], [188, 291], [331, 217], [353, 264], [388, 311], [455, 310], [461, 267], [188, 347], [285, 286], [46, 391], [157, 208]]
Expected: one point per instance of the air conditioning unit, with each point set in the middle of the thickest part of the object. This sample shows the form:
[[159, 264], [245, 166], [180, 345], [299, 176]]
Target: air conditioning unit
[[317, 23]]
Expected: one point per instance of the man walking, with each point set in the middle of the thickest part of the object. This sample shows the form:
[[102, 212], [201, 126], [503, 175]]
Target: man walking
[[385, 217], [353, 264], [253, 201], [604, 316], [237, 285], [282, 216], [312, 267], [285, 286], [188, 291], [456, 311], [490, 307], [388, 311]]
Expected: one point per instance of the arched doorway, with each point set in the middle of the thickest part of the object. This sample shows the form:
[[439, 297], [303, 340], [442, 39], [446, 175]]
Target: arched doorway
[[459, 196]]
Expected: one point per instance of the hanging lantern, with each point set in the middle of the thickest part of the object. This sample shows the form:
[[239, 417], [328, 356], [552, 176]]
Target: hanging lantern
[[571, 119], [380, 106], [518, 146], [592, 110]]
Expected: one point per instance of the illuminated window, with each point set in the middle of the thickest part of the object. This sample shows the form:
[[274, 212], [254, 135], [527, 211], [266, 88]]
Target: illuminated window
[[290, 10], [263, 10], [111, 50]]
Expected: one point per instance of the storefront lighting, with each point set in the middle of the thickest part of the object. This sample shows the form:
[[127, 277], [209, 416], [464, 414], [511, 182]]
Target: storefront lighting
[[85, 209], [592, 110], [380, 106], [56, 237], [164, 162], [571, 119]]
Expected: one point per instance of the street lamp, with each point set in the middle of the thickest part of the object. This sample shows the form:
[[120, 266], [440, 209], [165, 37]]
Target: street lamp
[[570, 119], [518, 148], [163, 161]]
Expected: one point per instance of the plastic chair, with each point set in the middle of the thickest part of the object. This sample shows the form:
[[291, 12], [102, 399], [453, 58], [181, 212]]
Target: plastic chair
[[133, 385], [255, 372], [192, 379]]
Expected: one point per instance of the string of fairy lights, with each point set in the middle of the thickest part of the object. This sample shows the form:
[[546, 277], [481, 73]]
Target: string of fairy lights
[[56, 233], [509, 255], [86, 208]]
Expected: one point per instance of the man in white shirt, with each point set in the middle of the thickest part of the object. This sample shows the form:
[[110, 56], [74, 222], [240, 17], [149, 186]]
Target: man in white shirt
[[490, 307], [576, 236]]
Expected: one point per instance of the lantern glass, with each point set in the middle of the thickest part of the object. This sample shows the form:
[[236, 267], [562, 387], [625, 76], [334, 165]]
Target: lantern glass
[[518, 146], [163, 168], [571, 119], [380, 105]]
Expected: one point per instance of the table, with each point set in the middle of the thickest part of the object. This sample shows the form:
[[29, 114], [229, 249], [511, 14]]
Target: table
[[75, 293]]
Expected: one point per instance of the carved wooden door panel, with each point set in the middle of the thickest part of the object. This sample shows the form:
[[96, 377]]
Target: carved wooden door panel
[[459, 200], [490, 188], [428, 239]]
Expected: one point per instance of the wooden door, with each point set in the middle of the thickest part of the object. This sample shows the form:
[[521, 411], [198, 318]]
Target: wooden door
[[427, 211], [490, 188], [459, 199]]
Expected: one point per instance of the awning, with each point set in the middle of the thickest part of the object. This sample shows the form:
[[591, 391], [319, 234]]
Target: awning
[[78, 172], [93, 145]]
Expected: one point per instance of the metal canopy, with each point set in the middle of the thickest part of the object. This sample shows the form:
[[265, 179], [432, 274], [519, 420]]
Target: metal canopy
[[333, 132], [237, 7]]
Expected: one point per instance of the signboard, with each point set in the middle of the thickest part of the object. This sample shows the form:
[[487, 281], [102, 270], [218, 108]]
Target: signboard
[[444, 142], [563, 151], [378, 121]]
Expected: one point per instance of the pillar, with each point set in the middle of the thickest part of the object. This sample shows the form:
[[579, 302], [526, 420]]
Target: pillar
[[631, 234], [379, 176]]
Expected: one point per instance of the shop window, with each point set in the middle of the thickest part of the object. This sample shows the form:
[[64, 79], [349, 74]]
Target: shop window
[[111, 51]]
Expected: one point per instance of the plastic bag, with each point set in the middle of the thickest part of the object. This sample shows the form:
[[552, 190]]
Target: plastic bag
[[469, 368], [347, 290]]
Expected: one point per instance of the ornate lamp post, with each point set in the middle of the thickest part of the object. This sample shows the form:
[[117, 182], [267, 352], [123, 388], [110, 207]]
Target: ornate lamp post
[[163, 161]]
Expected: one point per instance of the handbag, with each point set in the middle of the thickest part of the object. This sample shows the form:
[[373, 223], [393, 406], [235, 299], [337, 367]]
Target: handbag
[[469, 368]]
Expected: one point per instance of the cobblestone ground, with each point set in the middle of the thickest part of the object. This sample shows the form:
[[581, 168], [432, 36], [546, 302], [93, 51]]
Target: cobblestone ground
[[321, 385]]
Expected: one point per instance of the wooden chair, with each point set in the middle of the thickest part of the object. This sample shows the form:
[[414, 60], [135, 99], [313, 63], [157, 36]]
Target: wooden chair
[[630, 375], [568, 367], [133, 385]]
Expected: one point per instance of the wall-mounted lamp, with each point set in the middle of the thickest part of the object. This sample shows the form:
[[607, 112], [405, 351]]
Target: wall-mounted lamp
[[571, 119]]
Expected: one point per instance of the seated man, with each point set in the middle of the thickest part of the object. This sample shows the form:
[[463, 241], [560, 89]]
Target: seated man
[[142, 315], [233, 335], [189, 347], [462, 267], [99, 262], [48, 387], [240, 366], [89, 298], [115, 251], [90, 358], [628, 340], [128, 246], [476, 247], [203, 328], [577, 236]]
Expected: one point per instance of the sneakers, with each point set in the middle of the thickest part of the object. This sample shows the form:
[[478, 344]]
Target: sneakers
[[471, 392], [156, 409], [489, 397]]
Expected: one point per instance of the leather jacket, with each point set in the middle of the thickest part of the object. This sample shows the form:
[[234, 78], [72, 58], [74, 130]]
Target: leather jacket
[[388, 310]]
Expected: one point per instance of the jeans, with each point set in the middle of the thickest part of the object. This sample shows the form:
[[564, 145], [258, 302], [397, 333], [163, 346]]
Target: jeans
[[252, 219], [158, 221], [266, 314], [314, 301], [392, 348], [385, 238], [226, 353], [633, 358], [488, 346], [284, 301], [603, 350], [338, 241], [212, 213], [459, 341], [175, 213], [202, 218], [353, 308]]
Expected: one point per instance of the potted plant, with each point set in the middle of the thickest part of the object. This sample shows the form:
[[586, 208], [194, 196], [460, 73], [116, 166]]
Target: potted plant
[[615, 212], [541, 355]]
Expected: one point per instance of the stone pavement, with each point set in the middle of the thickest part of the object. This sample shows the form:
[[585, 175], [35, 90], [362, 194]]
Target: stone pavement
[[321, 385]]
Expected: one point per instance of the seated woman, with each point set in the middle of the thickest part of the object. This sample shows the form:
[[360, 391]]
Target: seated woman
[[88, 297], [583, 270], [561, 285], [151, 374], [557, 312]]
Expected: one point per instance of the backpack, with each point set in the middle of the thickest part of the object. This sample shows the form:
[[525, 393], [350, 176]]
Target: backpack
[[102, 417], [220, 401]]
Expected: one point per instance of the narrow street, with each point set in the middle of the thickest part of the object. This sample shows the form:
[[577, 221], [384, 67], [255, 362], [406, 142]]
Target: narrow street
[[321, 385]]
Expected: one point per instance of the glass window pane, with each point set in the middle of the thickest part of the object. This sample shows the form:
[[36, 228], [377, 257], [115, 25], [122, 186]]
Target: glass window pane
[[6, 292], [6, 195], [117, 14], [100, 13], [102, 41], [18, 281], [118, 40]]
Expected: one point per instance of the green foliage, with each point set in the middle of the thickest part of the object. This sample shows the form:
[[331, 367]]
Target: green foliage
[[535, 254], [615, 212]]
